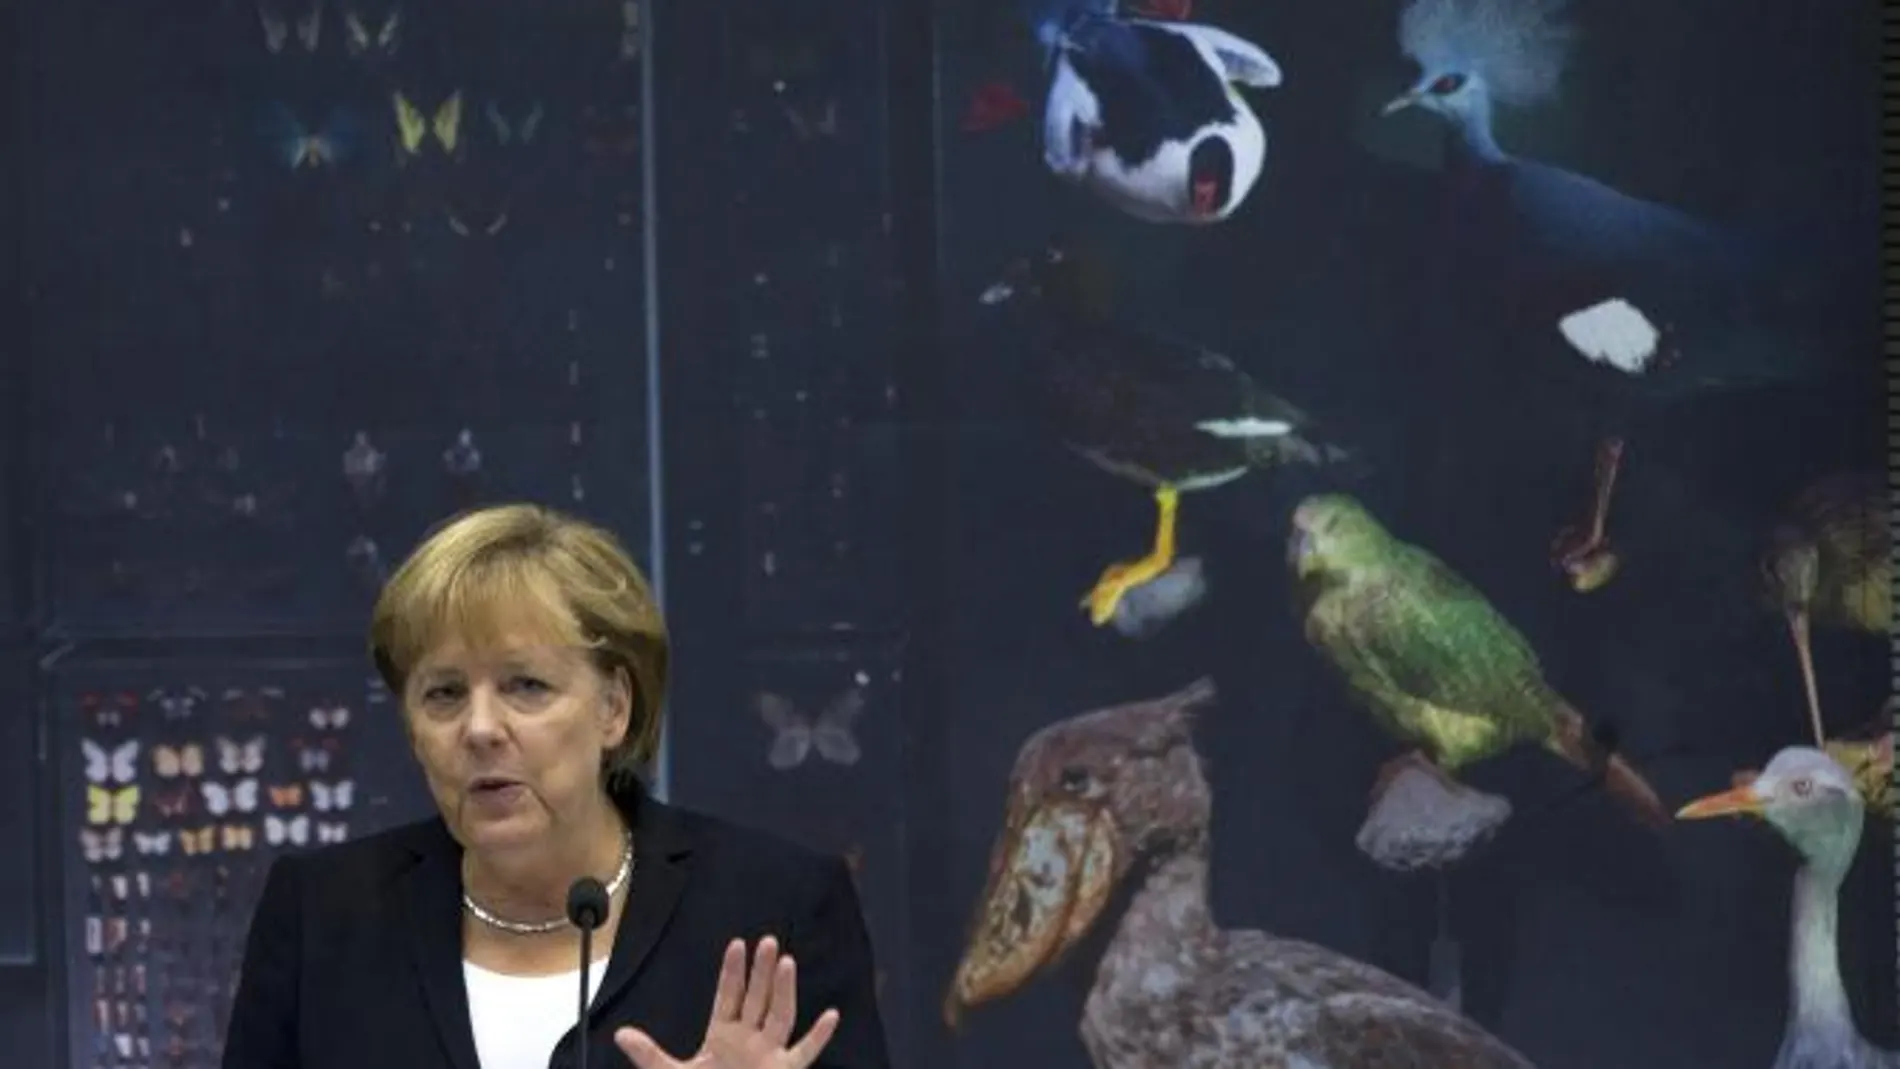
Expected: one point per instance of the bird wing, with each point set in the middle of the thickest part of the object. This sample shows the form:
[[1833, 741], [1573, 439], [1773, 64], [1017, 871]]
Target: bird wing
[[1421, 631], [1332, 1010], [1238, 59]]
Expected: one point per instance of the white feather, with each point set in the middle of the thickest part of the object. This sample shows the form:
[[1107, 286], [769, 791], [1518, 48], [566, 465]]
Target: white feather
[[1238, 59], [1613, 332], [1245, 427], [1070, 105]]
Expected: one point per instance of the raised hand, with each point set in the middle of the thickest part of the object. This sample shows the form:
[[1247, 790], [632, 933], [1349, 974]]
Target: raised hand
[[751, 1020]]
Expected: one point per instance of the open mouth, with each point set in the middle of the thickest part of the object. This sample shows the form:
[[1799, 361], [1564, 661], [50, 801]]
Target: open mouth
[[493, 784]]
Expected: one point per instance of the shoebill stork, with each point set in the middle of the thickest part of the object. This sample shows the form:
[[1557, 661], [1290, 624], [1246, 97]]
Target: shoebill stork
[[1645, 303], [1812, 802]]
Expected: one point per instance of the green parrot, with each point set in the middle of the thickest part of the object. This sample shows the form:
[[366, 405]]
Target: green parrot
[[1437, 665]]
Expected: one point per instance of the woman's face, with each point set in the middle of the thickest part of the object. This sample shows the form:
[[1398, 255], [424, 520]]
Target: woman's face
[[510, 737]]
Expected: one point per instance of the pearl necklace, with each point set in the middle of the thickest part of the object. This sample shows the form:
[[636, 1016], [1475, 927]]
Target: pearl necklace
[[614, 885]]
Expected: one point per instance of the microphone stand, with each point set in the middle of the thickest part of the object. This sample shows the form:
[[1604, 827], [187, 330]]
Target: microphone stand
[[587, 907]]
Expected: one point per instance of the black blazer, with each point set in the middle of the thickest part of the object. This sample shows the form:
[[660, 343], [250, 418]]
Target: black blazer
[[354, 958]]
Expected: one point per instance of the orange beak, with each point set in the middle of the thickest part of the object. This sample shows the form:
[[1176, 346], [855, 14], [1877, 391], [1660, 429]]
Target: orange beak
[[1738, 800]]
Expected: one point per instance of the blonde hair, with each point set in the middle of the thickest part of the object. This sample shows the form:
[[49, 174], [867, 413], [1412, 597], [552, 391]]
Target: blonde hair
[[477, 576]]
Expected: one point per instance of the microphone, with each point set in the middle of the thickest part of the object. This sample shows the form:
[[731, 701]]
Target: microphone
[[587, 907]]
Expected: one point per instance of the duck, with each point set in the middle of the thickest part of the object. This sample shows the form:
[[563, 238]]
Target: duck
[[1830, 561], [1808, 798], [1167, 415], [1145, 112], [1106, 845]]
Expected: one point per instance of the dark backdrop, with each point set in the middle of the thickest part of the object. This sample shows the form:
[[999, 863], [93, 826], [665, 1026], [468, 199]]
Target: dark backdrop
[[845, 512]]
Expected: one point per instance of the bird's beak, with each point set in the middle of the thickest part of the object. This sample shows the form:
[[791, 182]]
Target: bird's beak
[[1398, 104], [1739, 800]]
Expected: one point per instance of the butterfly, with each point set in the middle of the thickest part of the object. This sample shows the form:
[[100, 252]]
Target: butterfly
[[519, 130], [413, 127], [177, 704], [240, 757], [200, 841], [299, 146], [332, 796], [797, 735], [173, 803], [240, 796], [277, 28], [118, 765], [383, 42], [278, 831], [105, 845], [333, 718], [334, 832], [170, 762], [255, 704], [314, 756], [161, 843], [288, 796], [107, 710], [108, 806], [237, 837], [492, 227]]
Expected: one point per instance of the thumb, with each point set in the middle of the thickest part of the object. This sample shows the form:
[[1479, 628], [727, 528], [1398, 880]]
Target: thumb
[[642, 1051]]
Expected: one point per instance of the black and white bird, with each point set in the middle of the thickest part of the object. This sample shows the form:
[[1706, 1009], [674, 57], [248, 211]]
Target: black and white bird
[[1146, 113]]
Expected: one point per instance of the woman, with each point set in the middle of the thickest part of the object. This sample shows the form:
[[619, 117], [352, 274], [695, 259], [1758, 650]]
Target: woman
[[530, 658]]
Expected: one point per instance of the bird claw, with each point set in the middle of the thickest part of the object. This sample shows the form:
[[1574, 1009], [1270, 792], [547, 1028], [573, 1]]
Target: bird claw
[[1588, 561]]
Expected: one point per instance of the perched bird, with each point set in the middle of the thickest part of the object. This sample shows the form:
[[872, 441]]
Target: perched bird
[[1812, 802], [1108, 831], [1170, 416], [1652, 303], [1436, 664], [1831, 562], [1145, 112]]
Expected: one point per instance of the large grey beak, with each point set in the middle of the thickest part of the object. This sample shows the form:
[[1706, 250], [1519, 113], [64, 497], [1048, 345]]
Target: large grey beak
[[1398, 104]]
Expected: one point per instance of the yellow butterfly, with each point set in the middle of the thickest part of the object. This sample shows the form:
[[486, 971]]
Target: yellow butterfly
[[107, 806], [200, 841], [413, 127]]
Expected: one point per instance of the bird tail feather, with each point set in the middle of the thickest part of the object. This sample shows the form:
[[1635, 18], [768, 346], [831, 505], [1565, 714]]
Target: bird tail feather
[[1573, 742]]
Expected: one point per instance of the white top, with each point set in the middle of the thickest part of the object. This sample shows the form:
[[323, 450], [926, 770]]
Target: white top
[[517, 1020]]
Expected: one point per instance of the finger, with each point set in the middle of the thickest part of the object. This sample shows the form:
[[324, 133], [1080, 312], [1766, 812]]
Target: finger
[[758, 988], [778, 1019], [809, 1048], [642, 1051], [731, 990]]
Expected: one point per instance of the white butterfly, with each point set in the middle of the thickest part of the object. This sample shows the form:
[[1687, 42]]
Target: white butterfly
[[241, 796], [118, 765], [327, 797], [332, 833], [295, 831], [246, 757], [796, 735], [102, 845], [152, 844], [335, 718]]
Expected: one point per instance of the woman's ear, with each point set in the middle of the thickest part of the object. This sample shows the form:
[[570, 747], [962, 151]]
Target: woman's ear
[[619, 702]]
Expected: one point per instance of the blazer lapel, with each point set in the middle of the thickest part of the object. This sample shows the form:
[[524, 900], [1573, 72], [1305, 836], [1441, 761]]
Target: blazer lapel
[[432, 897], [662, 850]]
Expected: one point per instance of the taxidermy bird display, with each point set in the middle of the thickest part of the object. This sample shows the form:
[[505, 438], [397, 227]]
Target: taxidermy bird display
[[1436, 663], [1653, 303], [1812, 802], [1170, 416], [1831, 562], [1108, 832], [1144, 112]]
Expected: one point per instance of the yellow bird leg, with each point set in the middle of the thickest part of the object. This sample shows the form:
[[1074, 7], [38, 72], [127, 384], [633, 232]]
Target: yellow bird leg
[[1121, 577]]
